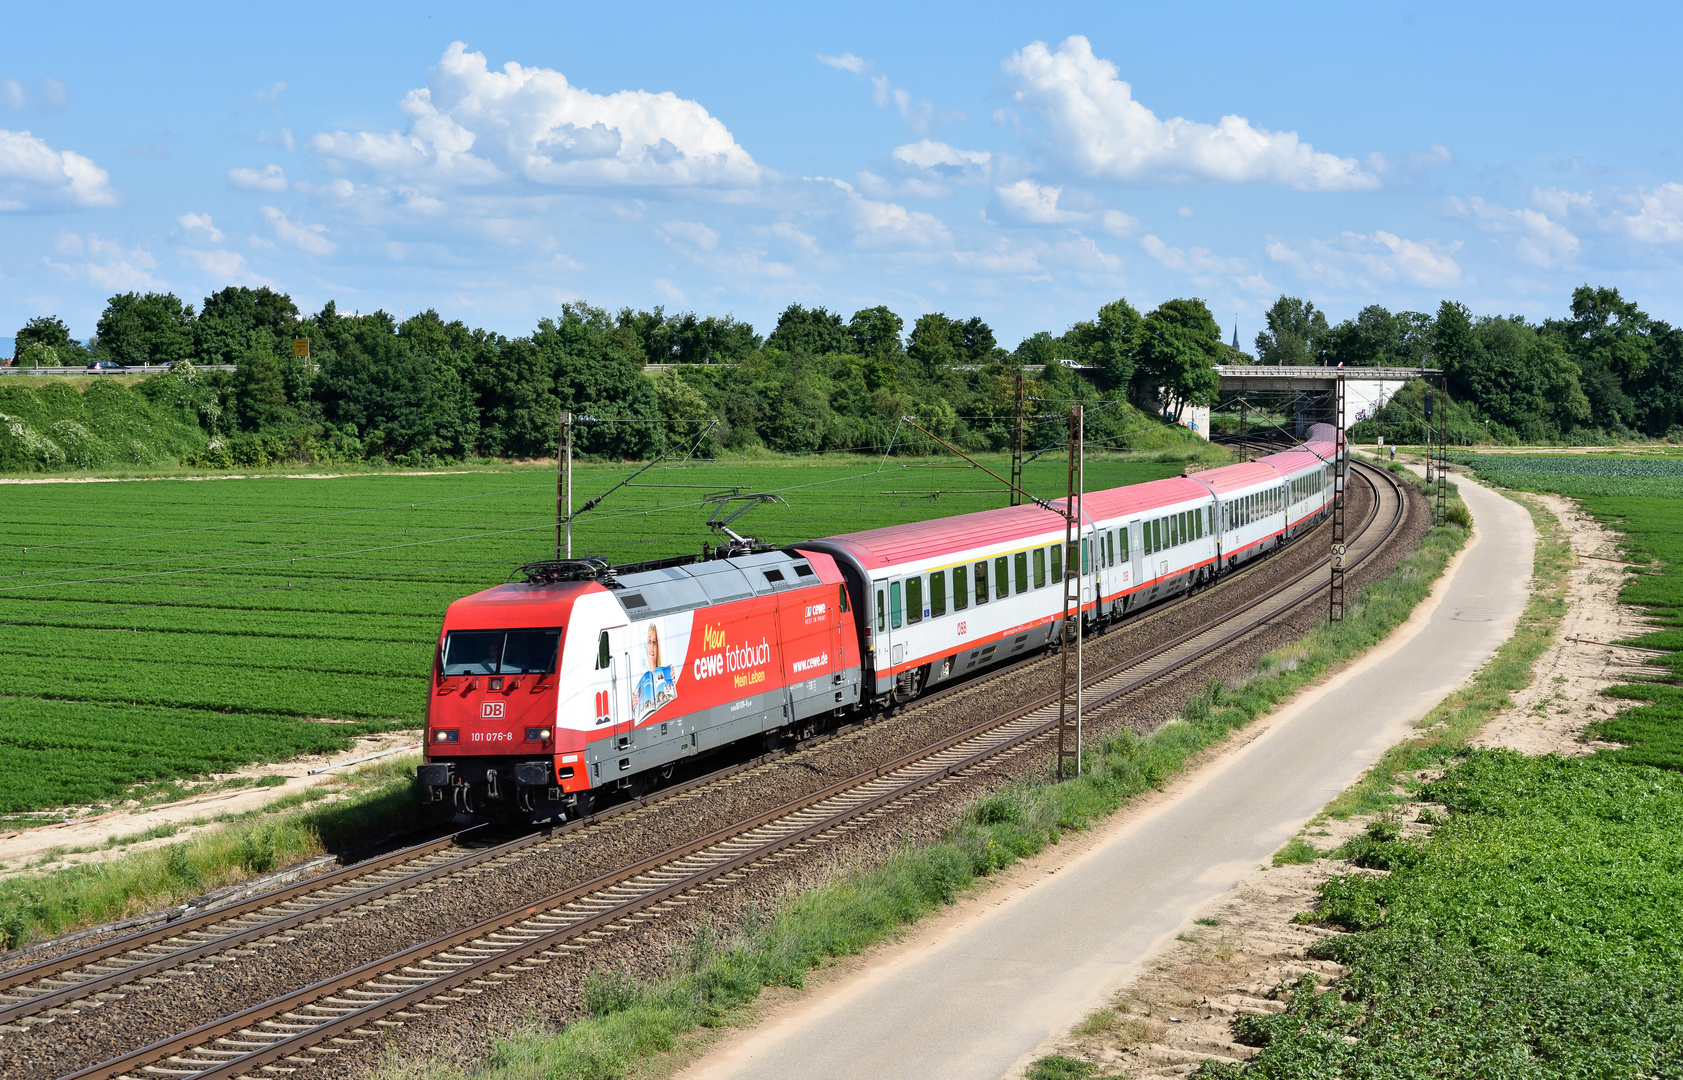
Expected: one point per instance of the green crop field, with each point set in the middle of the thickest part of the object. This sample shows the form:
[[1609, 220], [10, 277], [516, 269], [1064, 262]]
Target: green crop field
[[1536, 933], [1642, 498], [159, 629]]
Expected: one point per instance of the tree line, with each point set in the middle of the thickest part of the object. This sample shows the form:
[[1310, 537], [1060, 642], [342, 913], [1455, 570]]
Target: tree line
[[428, 390], [1604, 370]]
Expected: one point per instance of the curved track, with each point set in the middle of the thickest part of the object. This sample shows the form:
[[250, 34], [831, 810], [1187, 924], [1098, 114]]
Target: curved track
[[435, 973], [46, 985]]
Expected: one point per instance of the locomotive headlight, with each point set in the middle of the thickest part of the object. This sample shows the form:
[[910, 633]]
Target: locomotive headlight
[[445, 735], [537, 734]]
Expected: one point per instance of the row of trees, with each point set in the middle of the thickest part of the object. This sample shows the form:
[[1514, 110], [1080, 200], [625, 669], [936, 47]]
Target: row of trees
[[1606, 369], [427, 389]]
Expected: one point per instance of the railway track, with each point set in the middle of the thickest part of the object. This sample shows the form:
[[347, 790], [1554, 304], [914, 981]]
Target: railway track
[[352, 1006]]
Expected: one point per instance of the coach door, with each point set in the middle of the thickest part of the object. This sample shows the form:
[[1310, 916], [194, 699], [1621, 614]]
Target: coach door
[[1136, 549], [882, 643]]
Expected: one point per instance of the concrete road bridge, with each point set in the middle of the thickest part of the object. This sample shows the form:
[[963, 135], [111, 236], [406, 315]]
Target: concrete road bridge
[[1309, 394]]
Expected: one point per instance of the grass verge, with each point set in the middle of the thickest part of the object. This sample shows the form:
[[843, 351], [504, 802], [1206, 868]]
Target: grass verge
[[627, 1022], [1460, 715], [376, 800]]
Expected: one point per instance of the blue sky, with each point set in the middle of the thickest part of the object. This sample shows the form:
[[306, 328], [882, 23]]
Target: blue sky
[[1025, 163]]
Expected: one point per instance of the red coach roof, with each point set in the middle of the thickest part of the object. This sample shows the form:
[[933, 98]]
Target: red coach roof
[[1292, 461], [948, 536], [1245, 474], [943, 536], [1140, 498]]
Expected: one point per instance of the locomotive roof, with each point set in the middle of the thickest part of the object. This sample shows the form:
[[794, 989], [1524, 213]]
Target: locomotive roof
[[719, 581]]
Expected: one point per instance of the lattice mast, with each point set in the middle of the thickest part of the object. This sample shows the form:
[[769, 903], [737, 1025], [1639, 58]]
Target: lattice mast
[[1069, 706], [564, 487], [1340, 470], [1017, 447]]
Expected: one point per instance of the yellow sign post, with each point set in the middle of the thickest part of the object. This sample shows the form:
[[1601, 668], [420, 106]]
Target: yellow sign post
[[301, 347]]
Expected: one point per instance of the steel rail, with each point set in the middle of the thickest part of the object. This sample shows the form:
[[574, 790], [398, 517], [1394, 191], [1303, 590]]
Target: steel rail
[[316, 1013], [142, 953]]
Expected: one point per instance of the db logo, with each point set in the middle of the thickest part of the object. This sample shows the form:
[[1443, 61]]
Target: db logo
[[491, 710]]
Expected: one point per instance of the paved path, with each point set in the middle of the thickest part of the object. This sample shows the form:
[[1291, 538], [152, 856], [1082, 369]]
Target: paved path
[[975, 1001]]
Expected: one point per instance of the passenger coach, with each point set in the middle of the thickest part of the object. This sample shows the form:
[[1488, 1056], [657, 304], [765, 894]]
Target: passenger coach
[[588, 678]]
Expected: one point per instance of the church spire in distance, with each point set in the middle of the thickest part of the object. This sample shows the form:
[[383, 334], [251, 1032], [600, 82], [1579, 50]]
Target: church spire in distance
[[1235, 330]]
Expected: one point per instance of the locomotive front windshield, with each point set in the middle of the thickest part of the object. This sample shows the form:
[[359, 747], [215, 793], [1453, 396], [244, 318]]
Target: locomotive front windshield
[[501, 652]]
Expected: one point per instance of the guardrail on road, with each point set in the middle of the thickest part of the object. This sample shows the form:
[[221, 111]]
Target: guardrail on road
[[137, 369]]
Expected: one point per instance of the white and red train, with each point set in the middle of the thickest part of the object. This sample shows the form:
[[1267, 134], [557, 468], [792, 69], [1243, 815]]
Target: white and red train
[[591, 680]]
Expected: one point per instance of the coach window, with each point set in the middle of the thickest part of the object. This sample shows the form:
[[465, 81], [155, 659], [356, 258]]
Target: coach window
[[1040, 568], [961, 588], [981, 583], [1123, 533], [1001, 577], [1086, 557], [914, 600], [1021, 566], [1057, 551], [894, 604], [602, 651], [1200, 512], [882, 617], [937, 594]]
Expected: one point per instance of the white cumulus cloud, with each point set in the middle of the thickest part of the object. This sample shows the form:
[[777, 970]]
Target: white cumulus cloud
[[890, 223], [1537, 238], [190, 222], [1656, 217], [1035, 203], [1094, 126], [34, 176], [474, 126], [845, 62], [221, 264], [107, 263], [948, 162], [693, 233], [1365, 259], [310, 238], [268, 178]]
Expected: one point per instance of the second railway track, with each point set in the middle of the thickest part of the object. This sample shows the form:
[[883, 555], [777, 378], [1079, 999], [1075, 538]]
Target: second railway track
[[436, 972]]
